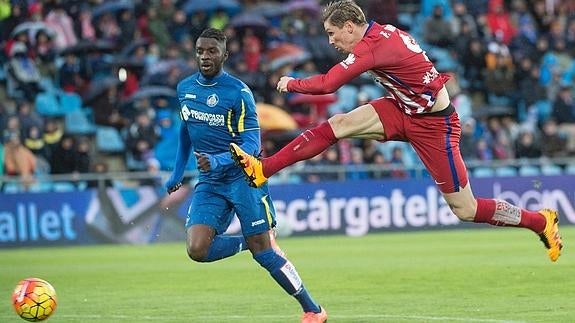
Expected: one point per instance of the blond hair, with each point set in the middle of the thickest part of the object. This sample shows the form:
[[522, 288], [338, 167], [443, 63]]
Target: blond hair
[[338, 12]]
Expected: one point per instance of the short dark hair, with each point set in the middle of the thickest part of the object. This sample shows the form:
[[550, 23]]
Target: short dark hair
[[215, 34]]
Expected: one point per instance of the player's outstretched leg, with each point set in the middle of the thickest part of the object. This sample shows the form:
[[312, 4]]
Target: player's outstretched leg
[[250, 165], [311, 317], [550, 235]]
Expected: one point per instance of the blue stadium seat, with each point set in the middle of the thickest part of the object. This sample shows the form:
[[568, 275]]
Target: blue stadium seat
[[482, 172], [77, 123], [70, 102], [570, 169], [63, 187], [47, 104], [529, 170], [346, 99], [551, 170], [109, 140], [506, 171]]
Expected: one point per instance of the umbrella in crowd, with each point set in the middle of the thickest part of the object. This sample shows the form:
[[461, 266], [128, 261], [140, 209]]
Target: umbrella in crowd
[[86, 46], [268, 9], [98, 88], [230, 6], [272, 117], [286, 53], [310, 6], [112, 7], [31, 28], [130, 48], [249, 20], [152, 91]]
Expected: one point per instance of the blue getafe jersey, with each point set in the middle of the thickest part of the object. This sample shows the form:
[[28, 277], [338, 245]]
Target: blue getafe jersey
[[216, 112]]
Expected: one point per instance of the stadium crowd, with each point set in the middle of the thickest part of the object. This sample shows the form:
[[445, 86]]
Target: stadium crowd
[[89, 86]]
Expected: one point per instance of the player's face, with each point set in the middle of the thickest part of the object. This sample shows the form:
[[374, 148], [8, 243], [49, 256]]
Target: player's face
[[210, 56], [340, 38]]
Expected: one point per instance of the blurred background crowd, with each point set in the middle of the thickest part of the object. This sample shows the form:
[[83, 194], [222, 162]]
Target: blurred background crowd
[[89, 86]]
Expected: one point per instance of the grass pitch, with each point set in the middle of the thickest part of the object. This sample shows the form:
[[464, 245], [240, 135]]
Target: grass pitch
[[492, 275]]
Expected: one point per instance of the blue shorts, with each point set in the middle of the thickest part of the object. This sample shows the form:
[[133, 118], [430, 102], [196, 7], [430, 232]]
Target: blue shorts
[[214, 204]]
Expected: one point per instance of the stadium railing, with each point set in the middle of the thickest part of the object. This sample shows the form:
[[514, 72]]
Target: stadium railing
[[297, 173]]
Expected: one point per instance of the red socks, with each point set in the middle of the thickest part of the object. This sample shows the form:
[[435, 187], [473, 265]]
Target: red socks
[[308, 144], [502, 213]]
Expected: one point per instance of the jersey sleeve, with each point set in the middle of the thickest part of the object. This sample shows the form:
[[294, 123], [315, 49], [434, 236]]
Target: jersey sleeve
[[356, 63]]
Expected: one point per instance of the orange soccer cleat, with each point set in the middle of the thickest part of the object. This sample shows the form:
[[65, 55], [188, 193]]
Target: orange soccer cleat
[[311, 317], [550, 236], [250, 165]]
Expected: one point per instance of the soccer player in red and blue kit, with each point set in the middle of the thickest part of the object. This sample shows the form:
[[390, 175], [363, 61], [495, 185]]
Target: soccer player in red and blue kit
[[216, 110], [418, 111]]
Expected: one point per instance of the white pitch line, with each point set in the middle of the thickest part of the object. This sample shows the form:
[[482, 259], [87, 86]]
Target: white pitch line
[[216, 318]]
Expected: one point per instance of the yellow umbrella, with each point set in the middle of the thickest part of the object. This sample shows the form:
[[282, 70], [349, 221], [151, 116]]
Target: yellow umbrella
[[272, 117]]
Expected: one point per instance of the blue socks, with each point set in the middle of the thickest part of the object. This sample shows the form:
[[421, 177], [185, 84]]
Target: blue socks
[[285, 274], [225, 246]]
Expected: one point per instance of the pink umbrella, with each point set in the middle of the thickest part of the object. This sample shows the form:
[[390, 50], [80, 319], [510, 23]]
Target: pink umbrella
[[286, 53]]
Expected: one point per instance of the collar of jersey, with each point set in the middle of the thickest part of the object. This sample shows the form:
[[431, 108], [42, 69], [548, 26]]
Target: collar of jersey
[[202, 80], [371, 22]]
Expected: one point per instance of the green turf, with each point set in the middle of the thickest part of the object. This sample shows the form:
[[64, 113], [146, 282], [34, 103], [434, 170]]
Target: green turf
[[492, 275]]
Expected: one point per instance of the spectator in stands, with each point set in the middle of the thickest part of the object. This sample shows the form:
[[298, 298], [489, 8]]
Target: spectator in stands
[[107, 27], [72, 75], [564, 112], [524, 44], [499, 22], [483, 151], [330, 157], [82, 158], [379, 161], [179, 26], [555, 67], [397, 161], [45, 54], [84, 27], [252, 50], [158, 28], [499, 76], [53, 134], [19, 160], [468, 141], [141, 138], [127, 24], [23, 71], [100, 168], [35, 142], [463, 20], [28, 117], [473, 62], [62, 25], [106, 109], [554, 142], [355, 169], [527, 145], [13, 126], [437, 30], [64, 159], [529, 89]]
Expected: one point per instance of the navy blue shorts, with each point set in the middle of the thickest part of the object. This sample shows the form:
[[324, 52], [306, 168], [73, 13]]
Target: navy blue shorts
[[214, 204]]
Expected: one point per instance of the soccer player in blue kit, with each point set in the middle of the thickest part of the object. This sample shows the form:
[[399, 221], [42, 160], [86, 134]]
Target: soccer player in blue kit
[[216, 110]]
